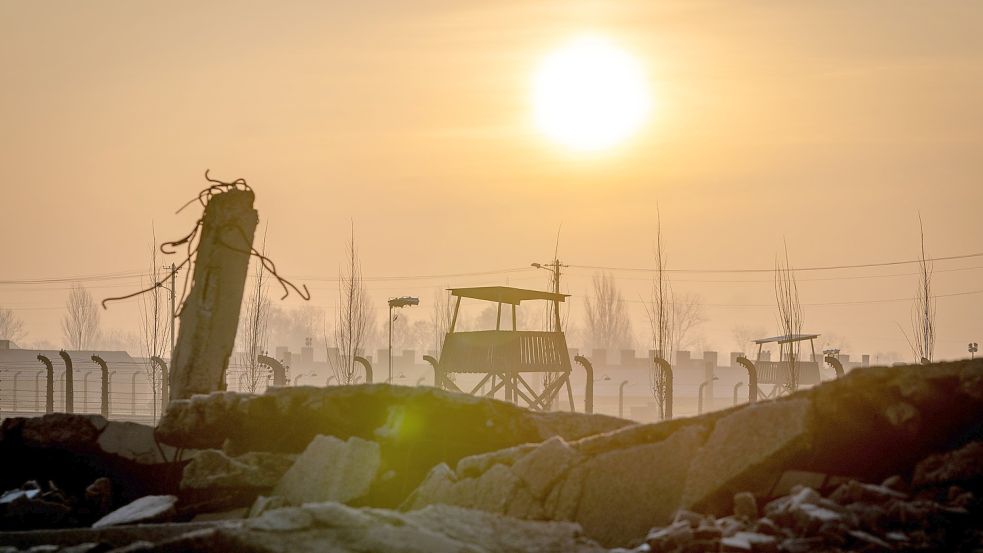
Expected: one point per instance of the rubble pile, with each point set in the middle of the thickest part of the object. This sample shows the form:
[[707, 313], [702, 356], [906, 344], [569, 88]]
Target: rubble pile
[[253, 439], [65, 470], [854, 517], [868, 425], [883, 459]]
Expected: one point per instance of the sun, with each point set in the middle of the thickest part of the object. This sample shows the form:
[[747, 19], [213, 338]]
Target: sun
[[590, 95]]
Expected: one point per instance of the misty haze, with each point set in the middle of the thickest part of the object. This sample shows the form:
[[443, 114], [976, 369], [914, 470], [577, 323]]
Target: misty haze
[[523, 276]]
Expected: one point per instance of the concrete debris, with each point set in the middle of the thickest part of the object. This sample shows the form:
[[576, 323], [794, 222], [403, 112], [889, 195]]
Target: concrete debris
[[317, 527], [416, 428], [331, 470], [882, 459], [618, 484], [213, 469], [963, 466], [807, 521], [151, 508]]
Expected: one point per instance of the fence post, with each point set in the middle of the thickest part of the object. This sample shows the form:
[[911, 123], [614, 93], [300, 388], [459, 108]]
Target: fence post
[[49, 398], [104, 369], [366, 366], [752, 378], [589, 388], [69, 382]]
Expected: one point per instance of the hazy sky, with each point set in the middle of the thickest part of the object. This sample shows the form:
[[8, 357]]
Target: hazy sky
[[826, 124]]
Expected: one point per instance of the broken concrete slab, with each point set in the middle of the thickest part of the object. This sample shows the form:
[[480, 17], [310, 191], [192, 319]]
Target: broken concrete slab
[[135, 442], [151, 508], [331, 470], [745, 448], [416, 428], [628, 491], [213, 469]]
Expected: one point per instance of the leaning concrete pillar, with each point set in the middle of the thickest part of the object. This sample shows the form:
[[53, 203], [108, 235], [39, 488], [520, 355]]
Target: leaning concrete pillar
[[49, 396], [210, 314], [104, 403], [69, 382]]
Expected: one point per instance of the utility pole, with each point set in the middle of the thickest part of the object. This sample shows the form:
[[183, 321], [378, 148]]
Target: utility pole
[[555, 325], [554, 268]]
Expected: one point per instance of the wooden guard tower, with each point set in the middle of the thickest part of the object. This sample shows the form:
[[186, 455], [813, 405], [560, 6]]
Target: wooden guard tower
[[506, 358], [779, 373]]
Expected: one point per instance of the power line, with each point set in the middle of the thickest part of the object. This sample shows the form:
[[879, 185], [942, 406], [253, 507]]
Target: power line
[[772, 270], [818, 279], [857, 302]]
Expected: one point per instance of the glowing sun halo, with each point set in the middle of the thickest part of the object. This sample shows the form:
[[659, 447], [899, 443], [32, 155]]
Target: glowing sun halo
[[589, 95]]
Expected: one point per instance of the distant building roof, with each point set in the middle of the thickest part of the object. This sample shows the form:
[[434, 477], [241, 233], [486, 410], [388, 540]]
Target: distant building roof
[[506, 294], [786, 338]]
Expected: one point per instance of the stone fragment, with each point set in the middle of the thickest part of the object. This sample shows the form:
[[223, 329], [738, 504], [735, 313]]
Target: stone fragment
[[338, 515], [962, 466], [495, 489], [212, 468], [264, 503], [854, 492], [544, 465], [99, 495], [151, 508], [231, 514], [61, 430], [750, 541], [135, 442], [435, 488], [564, 498], [745, 506], [628, 491], [331, 470], [744, 450], [287, 519]]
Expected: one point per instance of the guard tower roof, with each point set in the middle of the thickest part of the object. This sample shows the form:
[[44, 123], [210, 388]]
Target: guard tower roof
[[505, 294], [786, 339]]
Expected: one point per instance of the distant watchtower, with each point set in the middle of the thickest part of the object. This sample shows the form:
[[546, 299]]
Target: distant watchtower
[[506, 358]]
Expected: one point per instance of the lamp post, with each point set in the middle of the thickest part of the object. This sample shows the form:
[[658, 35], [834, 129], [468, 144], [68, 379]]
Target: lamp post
[[737, 387], [396, 303], [702, 386], [621, 399]]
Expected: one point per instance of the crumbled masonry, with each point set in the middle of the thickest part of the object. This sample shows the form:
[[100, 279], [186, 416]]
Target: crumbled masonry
[[883, 459]]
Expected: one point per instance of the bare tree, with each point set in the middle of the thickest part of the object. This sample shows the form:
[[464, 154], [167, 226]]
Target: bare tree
[[355, 316], [440, 318], [688, 314], [253, 332], [11, 326], [155, 328], [80, 326], [743, 336], [661, 316], [922, 339], [789, 316], [608, 325]]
